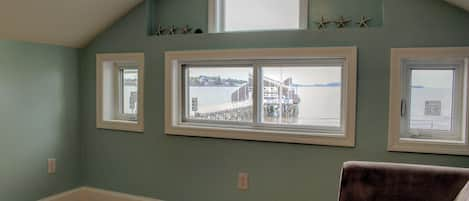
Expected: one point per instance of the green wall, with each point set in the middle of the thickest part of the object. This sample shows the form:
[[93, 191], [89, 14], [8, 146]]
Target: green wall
[[203, 169], [39, 120], [195, 12]]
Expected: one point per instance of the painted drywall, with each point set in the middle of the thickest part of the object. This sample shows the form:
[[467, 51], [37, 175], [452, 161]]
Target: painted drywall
[[195, 12], [40, 20], [39, 120], [203, 169]]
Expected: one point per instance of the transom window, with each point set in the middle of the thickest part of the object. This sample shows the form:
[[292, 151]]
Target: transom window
[[255, 15], [289, 95], [429, 100]]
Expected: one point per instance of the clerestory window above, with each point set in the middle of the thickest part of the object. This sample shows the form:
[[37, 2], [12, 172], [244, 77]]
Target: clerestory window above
[[257, 15]]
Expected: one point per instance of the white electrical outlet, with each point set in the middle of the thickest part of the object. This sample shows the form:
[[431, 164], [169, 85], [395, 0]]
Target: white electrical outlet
[[51, 165], [243, 181]]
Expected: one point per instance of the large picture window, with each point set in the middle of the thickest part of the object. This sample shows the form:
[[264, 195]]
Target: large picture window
[[303, 95], [430, 100]]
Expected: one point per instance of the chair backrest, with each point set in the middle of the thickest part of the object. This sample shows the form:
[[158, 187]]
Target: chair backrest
[[370, 181]]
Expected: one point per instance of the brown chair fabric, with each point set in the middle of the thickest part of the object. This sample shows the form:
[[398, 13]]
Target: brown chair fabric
[[369, 181], [463, 194]]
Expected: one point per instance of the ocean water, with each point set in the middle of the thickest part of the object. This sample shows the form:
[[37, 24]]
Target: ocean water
[[321, 106], [315, 107]]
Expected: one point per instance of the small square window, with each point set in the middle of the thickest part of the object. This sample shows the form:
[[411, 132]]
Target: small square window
[[429, 100], [256, 15], [120, 91]]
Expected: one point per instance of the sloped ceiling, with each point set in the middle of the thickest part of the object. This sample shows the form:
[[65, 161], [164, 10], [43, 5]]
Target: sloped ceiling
[[71, 23], [461, 3]]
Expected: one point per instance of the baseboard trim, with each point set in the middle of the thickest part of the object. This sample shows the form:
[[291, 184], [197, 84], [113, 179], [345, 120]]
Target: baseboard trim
[[91, 194], [67, 195]]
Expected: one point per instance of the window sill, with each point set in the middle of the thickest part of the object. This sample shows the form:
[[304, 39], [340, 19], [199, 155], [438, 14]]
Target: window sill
[[258, 31], [313, 138], [429, 146], [121, 125]]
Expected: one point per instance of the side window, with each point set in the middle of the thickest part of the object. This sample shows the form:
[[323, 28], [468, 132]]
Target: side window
[[119, 94], [431, 100]]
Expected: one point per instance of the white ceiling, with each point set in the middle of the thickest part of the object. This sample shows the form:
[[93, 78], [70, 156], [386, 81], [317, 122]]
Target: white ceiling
[[461, 3], [71, 23]]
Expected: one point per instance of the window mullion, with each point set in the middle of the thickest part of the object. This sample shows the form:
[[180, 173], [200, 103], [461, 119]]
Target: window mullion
[[121, 91], [117, 94], [458, 100], [221, 10], [257, 94], [303, 14]]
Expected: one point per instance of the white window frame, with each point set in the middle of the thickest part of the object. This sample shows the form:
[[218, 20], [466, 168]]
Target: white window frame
[[122, 121], [216, 17], [174, 92], [400, 136]]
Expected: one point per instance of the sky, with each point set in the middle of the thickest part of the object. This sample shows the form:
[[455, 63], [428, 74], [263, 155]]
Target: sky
[[305, 75], [433, 78], [320, 75], [239, 73], [300, 75]]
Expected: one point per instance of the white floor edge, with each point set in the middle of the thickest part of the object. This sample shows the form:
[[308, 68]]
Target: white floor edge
[[93, 194]]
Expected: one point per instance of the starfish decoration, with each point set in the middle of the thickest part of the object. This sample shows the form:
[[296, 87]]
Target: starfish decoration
[[186, 29], [160, 30], [363, 23], [322, 24], [342, 22], [172, 30]]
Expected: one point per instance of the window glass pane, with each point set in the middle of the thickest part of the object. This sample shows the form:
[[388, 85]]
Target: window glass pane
[[431, 99], [242, 15], [219, 94], [308, 96], [129, 91]]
